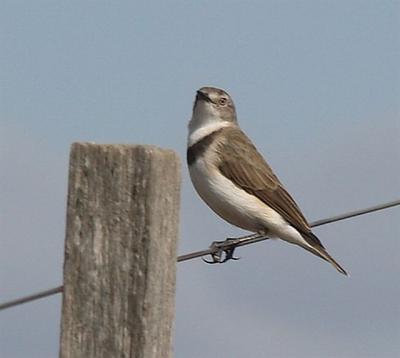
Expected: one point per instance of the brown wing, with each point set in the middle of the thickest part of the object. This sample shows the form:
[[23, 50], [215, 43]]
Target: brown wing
[[244, 165]]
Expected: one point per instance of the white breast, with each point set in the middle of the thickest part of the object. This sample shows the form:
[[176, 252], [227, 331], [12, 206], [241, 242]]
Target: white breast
[[238, 207], [231, 203]]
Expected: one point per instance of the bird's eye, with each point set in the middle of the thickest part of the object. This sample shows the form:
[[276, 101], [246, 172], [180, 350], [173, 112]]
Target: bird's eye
[[223, 101]]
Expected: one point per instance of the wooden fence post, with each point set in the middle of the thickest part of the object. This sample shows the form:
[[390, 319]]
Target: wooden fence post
[[120, 252]]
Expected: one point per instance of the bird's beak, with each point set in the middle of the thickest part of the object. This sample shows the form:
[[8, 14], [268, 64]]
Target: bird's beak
[[202, 96]]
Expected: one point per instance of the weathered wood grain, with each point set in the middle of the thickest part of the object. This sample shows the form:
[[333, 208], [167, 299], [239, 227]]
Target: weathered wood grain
[[120, 252]]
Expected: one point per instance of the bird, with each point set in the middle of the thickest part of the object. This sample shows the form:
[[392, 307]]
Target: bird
[[235, 181]]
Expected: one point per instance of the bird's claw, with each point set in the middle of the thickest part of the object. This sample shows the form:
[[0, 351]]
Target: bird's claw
[[219, 248]]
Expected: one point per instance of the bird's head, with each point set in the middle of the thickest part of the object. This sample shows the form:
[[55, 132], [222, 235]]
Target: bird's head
[[212, 105]]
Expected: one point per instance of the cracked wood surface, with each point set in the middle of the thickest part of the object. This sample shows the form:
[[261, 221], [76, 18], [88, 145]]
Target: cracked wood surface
[[120, 251]]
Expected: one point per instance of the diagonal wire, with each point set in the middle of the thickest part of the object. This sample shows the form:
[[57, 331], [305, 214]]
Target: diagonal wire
[[257, 238], [32, 297], [354, 213], [226, 245]]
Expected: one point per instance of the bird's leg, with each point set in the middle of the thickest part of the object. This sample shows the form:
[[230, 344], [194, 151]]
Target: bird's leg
[[218, 248], [228, 247], [231, 243]]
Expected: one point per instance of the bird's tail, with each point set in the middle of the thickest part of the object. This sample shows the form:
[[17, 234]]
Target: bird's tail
[[319, 250]]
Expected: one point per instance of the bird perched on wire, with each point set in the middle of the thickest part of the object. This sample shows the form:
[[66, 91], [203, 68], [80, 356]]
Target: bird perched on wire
[[235, 181]]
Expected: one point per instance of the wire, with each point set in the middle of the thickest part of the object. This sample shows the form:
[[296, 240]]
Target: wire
[[32, 297], [354, 213], [225, 245], [252, 239]]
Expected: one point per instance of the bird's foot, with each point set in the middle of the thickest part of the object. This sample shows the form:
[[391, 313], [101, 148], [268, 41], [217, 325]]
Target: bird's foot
[[219, 248]]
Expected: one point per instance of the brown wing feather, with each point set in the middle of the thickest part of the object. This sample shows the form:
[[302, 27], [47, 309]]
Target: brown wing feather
[[241, 163], [244, 165]]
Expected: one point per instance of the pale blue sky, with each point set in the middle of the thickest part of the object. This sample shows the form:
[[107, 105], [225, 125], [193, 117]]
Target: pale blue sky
[[316, 85]]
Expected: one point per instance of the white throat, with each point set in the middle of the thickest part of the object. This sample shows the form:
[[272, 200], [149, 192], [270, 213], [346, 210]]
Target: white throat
[[203, 123]]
